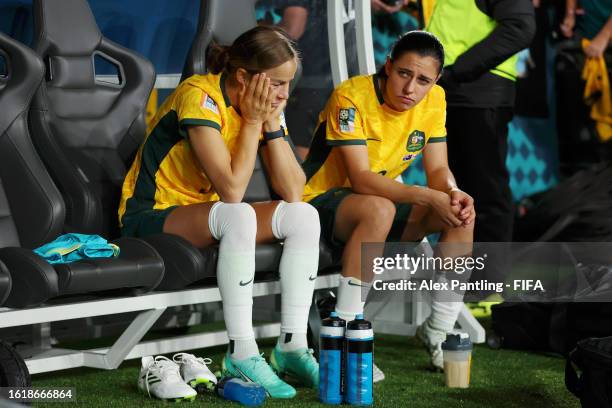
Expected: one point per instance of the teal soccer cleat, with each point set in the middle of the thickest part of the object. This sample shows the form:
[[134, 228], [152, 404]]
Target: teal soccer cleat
[[299, 364], [255, 369]]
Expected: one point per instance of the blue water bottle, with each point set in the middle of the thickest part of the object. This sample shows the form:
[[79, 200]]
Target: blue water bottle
[[359, 362], [246, 393], [331, 350]]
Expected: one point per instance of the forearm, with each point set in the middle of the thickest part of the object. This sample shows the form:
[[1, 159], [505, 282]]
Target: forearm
[[441, 179], [286, 175], [606, 31], [570, 7], [371, 183], [243, 161]]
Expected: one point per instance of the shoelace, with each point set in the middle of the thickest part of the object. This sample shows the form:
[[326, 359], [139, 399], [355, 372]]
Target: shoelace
[[184, 357], [308, 354], [166, 368], [268, 374]]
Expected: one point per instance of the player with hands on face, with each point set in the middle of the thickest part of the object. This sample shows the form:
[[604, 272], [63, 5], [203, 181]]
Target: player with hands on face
[[190, 177]]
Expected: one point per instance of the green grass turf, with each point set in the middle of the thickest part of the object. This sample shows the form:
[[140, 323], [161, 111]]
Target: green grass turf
[[500, 378]]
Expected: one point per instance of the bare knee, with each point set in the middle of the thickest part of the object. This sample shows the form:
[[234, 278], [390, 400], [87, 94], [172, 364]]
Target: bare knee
[[378, 212]]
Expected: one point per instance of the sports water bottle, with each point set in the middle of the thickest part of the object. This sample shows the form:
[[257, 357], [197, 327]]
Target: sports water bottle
[[359, 362], [246, 393], [331, 350]]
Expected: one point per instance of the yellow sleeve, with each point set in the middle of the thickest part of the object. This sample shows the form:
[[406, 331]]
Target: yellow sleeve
[[344, 122], [438, 133], [196, 108]]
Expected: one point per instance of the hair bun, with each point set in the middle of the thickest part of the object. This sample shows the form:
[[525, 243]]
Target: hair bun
[[217, 58]]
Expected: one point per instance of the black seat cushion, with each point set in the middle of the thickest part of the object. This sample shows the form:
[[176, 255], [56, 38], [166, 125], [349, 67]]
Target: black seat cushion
[[138, 266], [5, 283]]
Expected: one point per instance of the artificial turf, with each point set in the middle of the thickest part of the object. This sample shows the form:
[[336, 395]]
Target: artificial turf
[[500, 378]]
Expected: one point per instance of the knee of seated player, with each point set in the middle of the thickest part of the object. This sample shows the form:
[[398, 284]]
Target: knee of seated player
[[374, 213], [466, 231], [378, 212], [418, 224], [238, 222], [301, 219]]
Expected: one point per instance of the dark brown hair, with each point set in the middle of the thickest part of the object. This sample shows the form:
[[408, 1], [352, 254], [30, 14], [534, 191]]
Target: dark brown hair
[[255, 50], [421, 42]]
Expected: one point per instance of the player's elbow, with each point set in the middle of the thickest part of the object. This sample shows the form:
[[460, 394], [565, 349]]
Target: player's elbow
[[360, 187], [360, 181], [231, 194], [290, 192], [292, 197]]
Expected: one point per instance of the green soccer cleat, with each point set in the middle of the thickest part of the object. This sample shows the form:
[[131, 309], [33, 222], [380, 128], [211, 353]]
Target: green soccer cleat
[[299, 364], [255, 369]]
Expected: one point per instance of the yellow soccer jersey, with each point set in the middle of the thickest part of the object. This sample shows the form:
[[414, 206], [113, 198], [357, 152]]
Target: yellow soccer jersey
[[355, 115], [166, 172]]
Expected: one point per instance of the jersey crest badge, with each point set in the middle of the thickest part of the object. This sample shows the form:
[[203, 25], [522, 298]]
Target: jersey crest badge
[[416, 141], [346, 120], [209, 103]]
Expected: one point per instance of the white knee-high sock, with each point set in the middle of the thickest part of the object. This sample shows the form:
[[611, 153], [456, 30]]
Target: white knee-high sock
[[445, 307], [352, 294], [298, 225], [235, 226]]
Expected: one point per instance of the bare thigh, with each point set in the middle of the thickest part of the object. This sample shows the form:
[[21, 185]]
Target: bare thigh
[[191, 223], [358, 208]]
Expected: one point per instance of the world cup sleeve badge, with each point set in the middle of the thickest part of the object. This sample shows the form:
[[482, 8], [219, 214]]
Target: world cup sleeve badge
[[346, 120], [209, 103]]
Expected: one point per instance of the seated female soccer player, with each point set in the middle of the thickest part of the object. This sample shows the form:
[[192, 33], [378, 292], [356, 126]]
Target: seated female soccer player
[[371, 130], [189, 179]]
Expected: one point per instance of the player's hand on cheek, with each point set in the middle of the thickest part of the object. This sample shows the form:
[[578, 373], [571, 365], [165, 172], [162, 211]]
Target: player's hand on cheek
[[272, 122], [254, 99]]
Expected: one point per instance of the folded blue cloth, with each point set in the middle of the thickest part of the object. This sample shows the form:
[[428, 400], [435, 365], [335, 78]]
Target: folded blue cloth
[[74, 247]]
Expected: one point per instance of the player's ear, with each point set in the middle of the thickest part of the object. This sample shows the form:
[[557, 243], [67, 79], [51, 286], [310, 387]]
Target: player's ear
[[242, 76], [388, 65]]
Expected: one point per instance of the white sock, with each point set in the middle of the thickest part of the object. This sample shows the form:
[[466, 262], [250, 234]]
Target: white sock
[[298, 225], [444, 311], [351, 297], [235, 226]]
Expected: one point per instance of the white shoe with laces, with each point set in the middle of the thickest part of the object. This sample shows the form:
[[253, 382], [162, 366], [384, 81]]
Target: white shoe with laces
[[432, 340], [160, 378], [195, 371]]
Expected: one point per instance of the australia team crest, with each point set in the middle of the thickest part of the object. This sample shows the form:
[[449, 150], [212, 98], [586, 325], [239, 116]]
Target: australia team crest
[[416, 141]]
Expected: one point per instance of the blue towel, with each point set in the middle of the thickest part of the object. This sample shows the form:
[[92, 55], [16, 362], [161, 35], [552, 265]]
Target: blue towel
[[74, 247]]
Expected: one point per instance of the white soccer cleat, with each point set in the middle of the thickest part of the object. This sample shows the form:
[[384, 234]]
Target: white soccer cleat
[[160, 378], [195, 371], [377, 374], [432, 340]]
